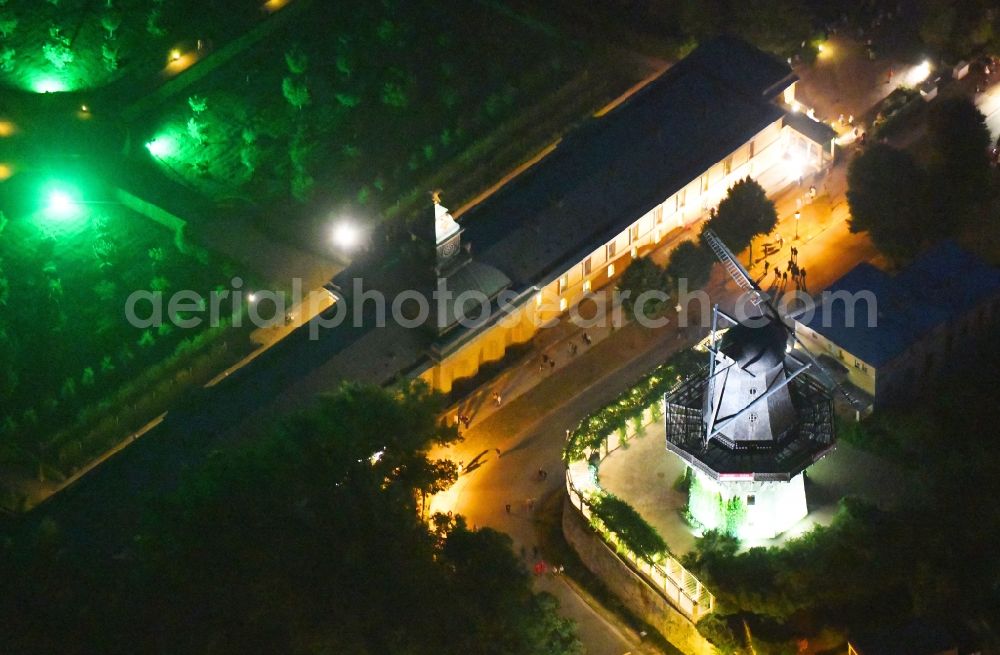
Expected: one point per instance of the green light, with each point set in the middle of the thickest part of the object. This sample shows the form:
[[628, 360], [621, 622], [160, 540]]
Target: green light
[[161, 146], [61, 204], [49, 85]]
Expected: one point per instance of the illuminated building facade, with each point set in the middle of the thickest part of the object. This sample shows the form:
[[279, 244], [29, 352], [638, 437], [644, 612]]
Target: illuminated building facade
[[616, 187]]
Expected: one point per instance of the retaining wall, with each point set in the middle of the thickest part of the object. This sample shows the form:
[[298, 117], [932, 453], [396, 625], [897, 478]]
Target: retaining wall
[[640, 598]]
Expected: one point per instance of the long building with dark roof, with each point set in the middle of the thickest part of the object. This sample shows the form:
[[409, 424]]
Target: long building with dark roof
[[617, 186]]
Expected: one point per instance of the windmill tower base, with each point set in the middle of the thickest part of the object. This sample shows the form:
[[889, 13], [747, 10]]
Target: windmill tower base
[[746, 508]]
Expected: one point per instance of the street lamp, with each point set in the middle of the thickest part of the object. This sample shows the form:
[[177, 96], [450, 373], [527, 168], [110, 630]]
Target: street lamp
[[161, 146], [346, 235], [61, 204], [798, 215]]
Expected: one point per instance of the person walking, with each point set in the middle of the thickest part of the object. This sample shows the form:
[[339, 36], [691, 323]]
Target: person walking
[[507, 507], [586, 339]]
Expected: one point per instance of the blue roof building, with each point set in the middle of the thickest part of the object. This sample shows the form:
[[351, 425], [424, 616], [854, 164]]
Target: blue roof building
[[888, 333]]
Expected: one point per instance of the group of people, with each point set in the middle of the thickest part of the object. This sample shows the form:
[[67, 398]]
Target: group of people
[[549, 362], [793, 270]]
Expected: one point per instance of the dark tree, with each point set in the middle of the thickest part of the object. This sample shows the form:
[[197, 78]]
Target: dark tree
[[886, 195], [642, 277], [692, 262], [308, 540], [959, 161], [744, 213]]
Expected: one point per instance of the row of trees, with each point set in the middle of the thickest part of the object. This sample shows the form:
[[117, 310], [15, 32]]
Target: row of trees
[[308, 540], [904, 203], [744, 214]]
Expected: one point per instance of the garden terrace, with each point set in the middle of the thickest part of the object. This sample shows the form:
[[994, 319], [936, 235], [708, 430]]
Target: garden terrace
[[79, 45], [78, 377], [355, 105]]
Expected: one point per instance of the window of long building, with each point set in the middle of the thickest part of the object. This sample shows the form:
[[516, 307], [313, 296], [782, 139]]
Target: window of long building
[[727, 165], [587, 266], [611, 250]]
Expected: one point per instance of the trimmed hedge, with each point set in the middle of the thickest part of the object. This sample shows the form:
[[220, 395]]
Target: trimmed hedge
[[623, 521], [630, 405]]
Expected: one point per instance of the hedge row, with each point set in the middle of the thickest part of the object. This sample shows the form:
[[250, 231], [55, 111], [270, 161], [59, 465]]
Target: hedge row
[[622, 520], [629, 406]]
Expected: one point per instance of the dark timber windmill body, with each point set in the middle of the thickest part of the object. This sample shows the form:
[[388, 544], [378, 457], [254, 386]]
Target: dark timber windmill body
[[752, 421]]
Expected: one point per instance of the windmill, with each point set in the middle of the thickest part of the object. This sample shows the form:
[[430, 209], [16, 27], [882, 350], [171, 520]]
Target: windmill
[[752, 420], [757, 297]]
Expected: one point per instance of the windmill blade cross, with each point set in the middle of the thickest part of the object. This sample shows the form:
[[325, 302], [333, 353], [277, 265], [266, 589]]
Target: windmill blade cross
[[733, 266]]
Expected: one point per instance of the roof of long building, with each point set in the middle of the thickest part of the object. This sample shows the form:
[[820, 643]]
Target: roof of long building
[[615, 168]]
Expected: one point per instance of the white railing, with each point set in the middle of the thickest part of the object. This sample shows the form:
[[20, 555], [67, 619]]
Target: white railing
[[678, 585]]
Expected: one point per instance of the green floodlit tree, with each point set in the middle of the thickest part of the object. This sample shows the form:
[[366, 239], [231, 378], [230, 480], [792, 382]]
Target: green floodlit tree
[[8, 24], [153, 19], [111, 22], [296, 92], [745, 212], [7, 56], [198, 104], [109, 57], [886, 192], [58, 54], [296, 60], [643, 275]]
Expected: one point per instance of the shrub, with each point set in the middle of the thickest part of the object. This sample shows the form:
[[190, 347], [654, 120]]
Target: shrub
[[628, 525]]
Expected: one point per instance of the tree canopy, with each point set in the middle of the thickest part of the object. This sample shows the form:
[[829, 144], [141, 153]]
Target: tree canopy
[[690, 261], [886, 194], [306, 541], [959, 159], [744, 213], [643, 276]]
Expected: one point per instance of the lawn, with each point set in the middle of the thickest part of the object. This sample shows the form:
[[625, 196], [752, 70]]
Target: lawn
[[355, 103]]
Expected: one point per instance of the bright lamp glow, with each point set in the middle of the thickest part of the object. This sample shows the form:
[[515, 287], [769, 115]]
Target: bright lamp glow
[[175, 54], [919, 73], [795, 166], [60, 203], [161, 146], [346, 236], [49, 85]]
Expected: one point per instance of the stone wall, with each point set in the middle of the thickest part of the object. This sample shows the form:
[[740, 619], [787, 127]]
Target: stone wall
[[641, 599]]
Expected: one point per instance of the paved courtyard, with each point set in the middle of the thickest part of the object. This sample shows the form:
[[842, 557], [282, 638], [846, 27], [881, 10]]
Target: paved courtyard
[[644, 475]]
